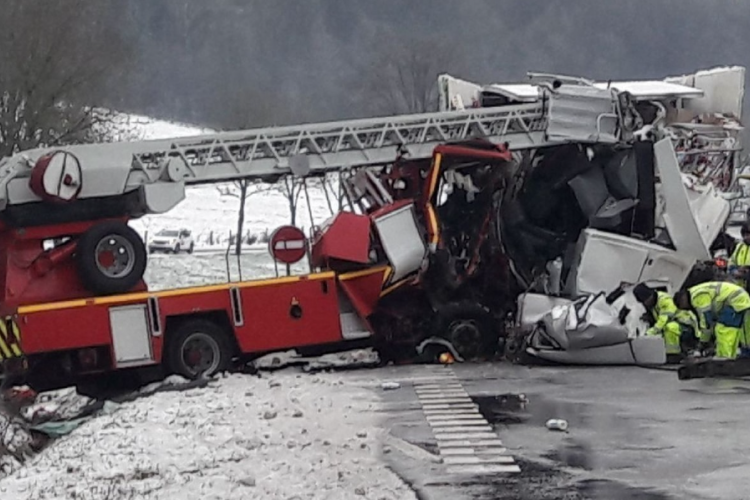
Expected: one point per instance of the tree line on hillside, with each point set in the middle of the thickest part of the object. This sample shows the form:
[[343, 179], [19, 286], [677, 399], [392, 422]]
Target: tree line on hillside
[[243, 63]]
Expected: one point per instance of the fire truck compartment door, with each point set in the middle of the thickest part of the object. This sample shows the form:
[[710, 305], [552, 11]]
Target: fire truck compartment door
[[402, 241], [131, 339]]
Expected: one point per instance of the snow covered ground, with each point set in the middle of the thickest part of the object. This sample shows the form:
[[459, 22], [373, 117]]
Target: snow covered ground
[[283, 436], [170, 271], [287, 435]]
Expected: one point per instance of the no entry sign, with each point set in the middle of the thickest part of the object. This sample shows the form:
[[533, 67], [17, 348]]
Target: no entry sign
[[287, 244]]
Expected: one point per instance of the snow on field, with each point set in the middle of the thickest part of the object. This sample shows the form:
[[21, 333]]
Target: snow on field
[[145, 128], [285, 436], [205, 210], [170, 271]]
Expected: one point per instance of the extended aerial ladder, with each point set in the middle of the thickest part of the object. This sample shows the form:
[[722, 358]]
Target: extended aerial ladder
[[81, 196]]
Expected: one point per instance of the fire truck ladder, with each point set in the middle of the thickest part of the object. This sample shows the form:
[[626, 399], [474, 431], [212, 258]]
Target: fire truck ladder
[[334, 146], [265, 154]]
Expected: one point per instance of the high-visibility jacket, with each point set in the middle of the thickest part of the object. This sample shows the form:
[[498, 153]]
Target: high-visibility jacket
[[719, 302], [740, 258], [741, 255], [670, 322]]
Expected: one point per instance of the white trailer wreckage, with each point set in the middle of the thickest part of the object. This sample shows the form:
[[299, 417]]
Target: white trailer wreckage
[[609, 185]]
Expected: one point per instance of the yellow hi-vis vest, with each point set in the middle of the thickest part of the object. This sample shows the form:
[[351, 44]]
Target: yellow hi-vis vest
[[664, 313], [741, 255], [708, 300]]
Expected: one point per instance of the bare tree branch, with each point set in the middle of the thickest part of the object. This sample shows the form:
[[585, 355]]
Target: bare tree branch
[[242, 189], [53, 73], [401, 76]]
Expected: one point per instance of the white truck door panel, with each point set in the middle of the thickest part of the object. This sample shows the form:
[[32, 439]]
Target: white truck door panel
[[604, 261], [666, 266]]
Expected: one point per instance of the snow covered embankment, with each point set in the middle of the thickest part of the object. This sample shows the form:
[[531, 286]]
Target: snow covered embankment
[[283, 436]]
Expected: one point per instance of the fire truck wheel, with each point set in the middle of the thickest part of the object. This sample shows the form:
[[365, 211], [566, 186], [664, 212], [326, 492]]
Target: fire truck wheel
[[198, 348], [469, 328], [111, 258]]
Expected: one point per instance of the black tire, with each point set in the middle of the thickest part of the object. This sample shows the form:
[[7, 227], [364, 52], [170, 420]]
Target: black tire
[[192, 247], [470, 328], [123, 244], [177, 249], [205, 336]]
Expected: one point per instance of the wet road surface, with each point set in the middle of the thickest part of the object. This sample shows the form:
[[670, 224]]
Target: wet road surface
[[634, 433]]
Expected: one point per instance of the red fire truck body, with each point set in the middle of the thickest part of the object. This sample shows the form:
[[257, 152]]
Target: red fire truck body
[[363, 258], [131, 330]]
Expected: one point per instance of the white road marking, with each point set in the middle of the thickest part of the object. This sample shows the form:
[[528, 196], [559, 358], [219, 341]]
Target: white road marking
[[461, 428], [441, 395], [448, 406], [477, 470], [459, 414], [473, 460], [439, 388], [466, 441], [471, 443], [478, 422], [469, 450], [453, 436], [451, 400]]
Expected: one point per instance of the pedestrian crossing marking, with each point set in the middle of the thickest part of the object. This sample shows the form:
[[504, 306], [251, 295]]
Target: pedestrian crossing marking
[[465, 439]]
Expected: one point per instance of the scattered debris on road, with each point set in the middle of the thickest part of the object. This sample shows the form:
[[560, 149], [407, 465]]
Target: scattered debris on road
[[557, 424]]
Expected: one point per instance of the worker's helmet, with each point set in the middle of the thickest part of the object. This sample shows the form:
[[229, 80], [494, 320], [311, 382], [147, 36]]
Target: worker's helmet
[[643, 292]]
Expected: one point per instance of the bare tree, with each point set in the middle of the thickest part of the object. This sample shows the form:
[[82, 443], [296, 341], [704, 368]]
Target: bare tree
[[291, 188], [401, 77], [242, 190], [56, 59]]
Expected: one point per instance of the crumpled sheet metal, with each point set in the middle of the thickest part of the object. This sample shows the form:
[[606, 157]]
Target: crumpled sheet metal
[[588, 331], [584, 324]]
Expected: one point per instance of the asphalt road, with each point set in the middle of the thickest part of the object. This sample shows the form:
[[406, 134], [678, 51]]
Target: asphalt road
[[634, 433]]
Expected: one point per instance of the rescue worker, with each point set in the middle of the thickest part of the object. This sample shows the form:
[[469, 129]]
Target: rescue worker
[[739, 261], [678, 328], [722, 313]]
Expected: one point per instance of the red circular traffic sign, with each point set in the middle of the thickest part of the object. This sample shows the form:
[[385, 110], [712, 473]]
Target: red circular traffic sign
[[288, 245]]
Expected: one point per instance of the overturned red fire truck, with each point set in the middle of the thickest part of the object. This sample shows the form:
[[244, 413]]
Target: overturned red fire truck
[[446, 227]]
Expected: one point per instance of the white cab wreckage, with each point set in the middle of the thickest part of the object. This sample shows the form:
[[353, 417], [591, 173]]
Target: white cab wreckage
[[693, 123]]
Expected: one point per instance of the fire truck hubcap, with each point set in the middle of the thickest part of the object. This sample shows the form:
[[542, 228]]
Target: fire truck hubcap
[[115, 256], [201, 353], [465, 337]]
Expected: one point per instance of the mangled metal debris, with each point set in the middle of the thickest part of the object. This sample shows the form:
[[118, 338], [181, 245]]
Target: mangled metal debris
[[589, 331], [635, 192]]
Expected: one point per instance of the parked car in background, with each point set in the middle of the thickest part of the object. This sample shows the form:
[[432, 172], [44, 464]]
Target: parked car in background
[[172, 241]]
